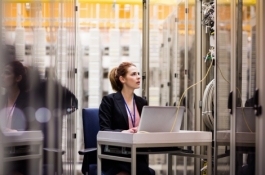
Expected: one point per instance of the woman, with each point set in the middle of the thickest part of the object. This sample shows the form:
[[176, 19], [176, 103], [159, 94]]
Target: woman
[[120, 112], [15, 100]]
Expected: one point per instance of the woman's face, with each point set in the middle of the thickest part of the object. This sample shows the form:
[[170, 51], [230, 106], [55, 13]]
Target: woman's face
[[8, 78], [132, 78]]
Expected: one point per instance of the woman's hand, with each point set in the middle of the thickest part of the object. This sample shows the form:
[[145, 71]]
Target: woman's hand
[[131, 130]]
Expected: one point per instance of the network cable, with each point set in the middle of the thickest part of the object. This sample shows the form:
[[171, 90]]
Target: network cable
[[207, 104], [186, 91], [240, 99]]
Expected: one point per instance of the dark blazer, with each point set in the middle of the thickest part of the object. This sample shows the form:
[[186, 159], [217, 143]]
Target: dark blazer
[[112, 112]]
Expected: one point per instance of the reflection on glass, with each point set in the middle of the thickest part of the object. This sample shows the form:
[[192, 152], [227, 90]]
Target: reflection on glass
[[246, 76], [37, 40], [223, 50], [245, 125]]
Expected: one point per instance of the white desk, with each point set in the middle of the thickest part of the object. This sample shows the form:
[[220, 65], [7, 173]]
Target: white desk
[[147, 140], [10, 149]]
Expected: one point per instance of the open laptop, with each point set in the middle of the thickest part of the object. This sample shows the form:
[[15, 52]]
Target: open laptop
[[160, 118]]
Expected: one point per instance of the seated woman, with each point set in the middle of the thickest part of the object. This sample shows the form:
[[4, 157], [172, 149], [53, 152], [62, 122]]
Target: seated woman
[[120, 112]]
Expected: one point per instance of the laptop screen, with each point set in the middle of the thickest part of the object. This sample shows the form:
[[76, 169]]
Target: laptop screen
[[161, 119]]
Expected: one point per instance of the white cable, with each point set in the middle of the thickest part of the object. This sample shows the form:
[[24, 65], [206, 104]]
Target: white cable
[[4, 35], [20, 43], [61, 56], [39, 49], [207, 105]]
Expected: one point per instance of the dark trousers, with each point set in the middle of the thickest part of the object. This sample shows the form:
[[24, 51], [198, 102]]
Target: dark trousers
[[111, 167]]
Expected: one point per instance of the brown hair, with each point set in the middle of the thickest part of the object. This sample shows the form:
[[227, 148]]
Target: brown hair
[[116, 72], [20, 69]]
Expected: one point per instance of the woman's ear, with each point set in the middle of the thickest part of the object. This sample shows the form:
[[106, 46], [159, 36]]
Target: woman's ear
[[122, 80], [18, 78]]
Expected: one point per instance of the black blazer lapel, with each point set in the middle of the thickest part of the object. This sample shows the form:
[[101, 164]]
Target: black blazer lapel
[[120, 102]]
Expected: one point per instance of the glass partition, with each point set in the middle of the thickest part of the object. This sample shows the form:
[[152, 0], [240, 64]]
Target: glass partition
[[69, 47], [38, 86], [246, 85], [223, 51], [172, 69], [235, 50]]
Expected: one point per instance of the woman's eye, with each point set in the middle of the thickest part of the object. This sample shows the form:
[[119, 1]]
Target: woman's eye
[[135, 73]]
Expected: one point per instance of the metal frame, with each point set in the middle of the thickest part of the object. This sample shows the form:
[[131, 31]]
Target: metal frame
[[186, 70], [74, 89], [176, 44], [233, 55], [239, 44], [215, 150], [198, 96], [260, 120], [145, 50], [233, 86]]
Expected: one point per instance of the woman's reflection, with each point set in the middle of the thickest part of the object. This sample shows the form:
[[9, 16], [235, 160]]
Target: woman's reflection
[[15, 99]]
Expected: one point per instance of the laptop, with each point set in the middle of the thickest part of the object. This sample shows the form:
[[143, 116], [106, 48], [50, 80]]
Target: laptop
[[160, 119]]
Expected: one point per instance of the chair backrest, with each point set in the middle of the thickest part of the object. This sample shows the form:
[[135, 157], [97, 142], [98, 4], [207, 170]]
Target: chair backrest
[[90, 126]]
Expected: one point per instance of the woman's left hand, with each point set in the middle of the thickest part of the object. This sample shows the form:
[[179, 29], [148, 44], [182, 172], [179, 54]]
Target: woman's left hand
[[134, 130], [131, 130]]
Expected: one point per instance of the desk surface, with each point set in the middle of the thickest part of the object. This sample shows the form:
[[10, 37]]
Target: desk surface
[[155, 137], [21, 146], [21, 136]]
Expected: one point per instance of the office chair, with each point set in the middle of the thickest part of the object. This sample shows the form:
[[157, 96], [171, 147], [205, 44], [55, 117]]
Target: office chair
[[90, 128]]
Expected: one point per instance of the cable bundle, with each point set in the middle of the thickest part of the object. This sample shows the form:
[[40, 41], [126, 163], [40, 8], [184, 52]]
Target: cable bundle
[[208, 18], [207, 105], [61, 55], [20, 43], [3, 35], [39, 49]]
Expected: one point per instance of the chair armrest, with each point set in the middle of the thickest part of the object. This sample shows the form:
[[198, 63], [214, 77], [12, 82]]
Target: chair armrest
[[88, 150], [53, 150]]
